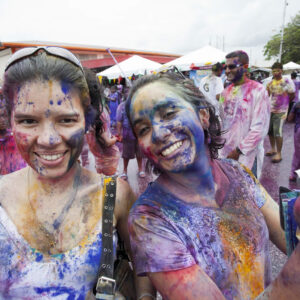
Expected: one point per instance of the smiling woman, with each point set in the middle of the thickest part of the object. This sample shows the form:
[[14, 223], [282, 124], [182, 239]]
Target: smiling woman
[[201, 230], [51, 224]]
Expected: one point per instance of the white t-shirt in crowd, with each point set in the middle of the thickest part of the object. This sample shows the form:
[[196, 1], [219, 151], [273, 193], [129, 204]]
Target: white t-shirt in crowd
[[211, 86]]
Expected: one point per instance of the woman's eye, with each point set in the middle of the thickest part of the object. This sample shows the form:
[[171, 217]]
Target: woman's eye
[[169, 114], [142, 131], [27, 122], [67, 121]]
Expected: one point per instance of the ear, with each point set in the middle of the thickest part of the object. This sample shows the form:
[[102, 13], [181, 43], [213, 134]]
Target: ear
[[204, 118]]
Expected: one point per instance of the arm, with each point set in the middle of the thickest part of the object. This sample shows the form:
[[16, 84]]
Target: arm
[[270, 211], [190, 283], [259, 123], [287, 283], [124, 201]]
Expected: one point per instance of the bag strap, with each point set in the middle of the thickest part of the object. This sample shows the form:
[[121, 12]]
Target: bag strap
[[105, 288]]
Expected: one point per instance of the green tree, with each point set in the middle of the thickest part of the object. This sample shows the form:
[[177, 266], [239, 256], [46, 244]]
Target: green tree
[[291, 43]]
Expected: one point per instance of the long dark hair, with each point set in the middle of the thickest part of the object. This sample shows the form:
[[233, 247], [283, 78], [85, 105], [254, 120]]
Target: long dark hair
[[97, 102], [189, 92]]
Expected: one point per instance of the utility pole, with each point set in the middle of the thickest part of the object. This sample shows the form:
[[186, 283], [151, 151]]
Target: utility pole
[[282, 30]]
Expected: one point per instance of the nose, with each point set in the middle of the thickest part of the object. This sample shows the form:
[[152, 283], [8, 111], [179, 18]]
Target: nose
[[48, 136], [160, 133]]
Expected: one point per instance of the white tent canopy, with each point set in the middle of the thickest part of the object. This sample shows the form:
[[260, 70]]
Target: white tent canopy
[[133, 65], [291, 66], [204, 56]]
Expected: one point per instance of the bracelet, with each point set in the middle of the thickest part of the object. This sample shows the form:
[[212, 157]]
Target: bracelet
[[146, 295]]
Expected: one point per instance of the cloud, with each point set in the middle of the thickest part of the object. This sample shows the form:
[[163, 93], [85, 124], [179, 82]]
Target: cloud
[[158, 25]]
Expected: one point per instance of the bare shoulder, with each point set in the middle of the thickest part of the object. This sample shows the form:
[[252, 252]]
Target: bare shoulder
[[124, 198], [12, 186]]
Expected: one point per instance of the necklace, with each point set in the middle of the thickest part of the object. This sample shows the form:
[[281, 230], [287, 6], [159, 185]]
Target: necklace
[[51, 236]]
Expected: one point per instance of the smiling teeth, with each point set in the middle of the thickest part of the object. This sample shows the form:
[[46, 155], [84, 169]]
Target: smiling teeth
[[51, 157], [171, 149]]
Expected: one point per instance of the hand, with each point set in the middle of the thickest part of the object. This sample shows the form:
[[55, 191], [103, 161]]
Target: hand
[[119, 138], [233, 155]]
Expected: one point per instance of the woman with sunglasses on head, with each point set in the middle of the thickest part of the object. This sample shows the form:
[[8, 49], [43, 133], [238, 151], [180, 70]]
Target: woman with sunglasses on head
[[51, 211], [201, 230]]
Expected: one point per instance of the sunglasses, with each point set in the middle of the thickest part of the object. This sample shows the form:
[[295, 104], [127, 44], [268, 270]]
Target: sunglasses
[[51, 50], [232, 66]]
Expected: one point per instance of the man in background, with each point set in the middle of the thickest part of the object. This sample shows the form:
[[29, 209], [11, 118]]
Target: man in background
[[246, 107], [282, 92]]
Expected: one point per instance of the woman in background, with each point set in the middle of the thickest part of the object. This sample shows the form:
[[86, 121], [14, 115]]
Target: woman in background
[[99, 138]]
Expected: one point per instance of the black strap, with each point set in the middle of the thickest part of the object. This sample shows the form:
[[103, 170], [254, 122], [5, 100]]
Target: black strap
[[105, 288]]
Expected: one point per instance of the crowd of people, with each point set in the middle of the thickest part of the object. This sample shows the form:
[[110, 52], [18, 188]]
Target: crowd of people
[[200, 230]]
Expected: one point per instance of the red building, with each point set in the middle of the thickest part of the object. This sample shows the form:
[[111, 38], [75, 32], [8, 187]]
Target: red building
[[94, 57]]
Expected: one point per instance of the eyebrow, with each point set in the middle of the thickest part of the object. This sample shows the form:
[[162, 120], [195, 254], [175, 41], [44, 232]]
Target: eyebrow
[[21, 115]]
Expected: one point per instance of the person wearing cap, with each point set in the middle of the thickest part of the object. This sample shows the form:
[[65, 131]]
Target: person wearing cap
[[246, 107]]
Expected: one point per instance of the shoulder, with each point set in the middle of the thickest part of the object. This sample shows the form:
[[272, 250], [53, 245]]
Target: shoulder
[[8, 183], [124, 198]]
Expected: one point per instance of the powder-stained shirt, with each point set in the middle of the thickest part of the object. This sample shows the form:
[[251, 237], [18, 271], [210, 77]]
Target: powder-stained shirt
[[10, 158], [246, 119], [26, 273], [229, 243], [279, 92]]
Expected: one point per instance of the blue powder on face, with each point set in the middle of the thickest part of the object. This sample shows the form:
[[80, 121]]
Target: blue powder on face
[[47, 113], [51, 102], [65, 88]]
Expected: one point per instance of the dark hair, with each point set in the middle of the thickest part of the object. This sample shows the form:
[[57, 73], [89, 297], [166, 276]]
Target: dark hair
[[242, 55], [217, 67], [293, 75], [190, 93], [97, 102], [277, 65], [43, 66]]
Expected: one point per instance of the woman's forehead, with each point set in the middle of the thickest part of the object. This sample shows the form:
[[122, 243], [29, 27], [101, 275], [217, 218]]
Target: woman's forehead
[[40, 93], [154, 95]]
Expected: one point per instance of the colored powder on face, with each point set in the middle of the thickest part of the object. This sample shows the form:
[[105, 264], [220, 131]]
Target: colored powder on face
[[75, 143], [47, 113], [65, 87]]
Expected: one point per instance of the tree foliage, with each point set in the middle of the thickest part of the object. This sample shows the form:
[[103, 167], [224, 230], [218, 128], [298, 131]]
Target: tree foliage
[[291, 43]]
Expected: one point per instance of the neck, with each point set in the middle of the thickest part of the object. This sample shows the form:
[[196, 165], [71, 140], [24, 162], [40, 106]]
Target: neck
[[196, 182], [59, 184]]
